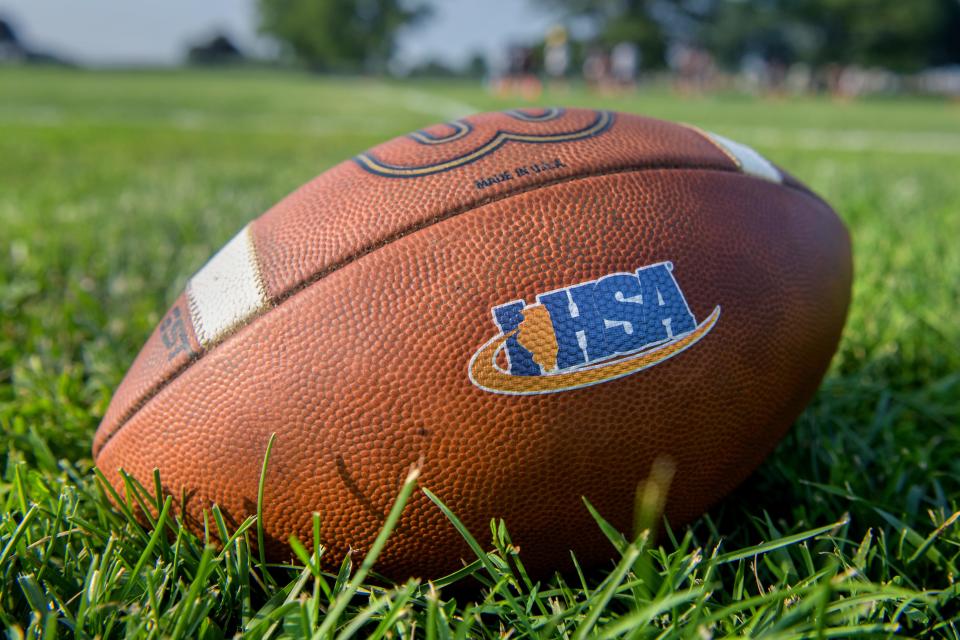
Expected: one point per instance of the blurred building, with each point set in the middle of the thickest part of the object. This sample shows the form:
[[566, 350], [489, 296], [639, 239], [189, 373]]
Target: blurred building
[[218, 49], [11, 50], [14, 51]]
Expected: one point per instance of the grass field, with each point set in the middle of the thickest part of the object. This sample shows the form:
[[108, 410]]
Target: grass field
[[115, 187]]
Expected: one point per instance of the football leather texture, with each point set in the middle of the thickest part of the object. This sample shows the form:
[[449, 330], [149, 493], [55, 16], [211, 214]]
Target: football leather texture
[[534, 306]]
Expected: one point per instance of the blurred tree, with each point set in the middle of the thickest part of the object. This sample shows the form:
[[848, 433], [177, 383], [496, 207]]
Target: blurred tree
[[633, 21], [637, 26], [339, 35], [946, 47], [897, 35], [768, 29]]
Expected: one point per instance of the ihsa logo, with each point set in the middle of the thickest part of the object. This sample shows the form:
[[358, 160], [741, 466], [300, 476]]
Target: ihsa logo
[[588, 333]]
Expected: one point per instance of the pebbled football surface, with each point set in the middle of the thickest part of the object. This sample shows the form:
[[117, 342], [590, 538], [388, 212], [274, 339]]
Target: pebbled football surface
[[535, 305]]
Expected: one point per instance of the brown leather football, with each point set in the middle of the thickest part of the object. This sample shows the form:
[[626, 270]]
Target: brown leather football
[[536, 305]]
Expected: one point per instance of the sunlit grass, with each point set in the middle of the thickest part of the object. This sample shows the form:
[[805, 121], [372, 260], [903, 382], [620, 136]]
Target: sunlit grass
[[115, 187]]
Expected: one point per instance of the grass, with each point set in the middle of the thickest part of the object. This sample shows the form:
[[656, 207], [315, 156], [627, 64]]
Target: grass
[[115, 187]]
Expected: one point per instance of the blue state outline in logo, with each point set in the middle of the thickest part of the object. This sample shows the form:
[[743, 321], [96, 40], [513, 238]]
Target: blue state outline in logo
[[369, 162]]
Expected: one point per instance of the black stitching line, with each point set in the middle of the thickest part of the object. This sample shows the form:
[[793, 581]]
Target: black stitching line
[[504, 137]]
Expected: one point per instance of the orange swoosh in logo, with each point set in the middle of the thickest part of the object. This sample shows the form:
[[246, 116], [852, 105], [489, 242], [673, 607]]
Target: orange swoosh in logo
[[485, 373]]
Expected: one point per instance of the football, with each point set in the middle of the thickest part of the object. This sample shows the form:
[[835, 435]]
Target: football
[[534, 306]]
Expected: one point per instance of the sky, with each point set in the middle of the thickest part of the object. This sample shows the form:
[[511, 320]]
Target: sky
[[125, 32]]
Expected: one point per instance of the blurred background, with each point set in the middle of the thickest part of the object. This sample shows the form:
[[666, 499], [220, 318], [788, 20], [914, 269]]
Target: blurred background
[[844, 48], [137, 137]]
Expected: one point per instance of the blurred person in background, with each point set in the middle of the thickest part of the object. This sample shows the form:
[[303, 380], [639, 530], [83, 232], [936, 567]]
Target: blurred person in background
[[498, 67], [694, 69], [596, 69], [556, 57], [624, 65], [521, 78]]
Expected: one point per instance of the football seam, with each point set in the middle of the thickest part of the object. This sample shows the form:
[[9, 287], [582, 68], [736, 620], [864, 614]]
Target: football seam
[[423, 224]]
